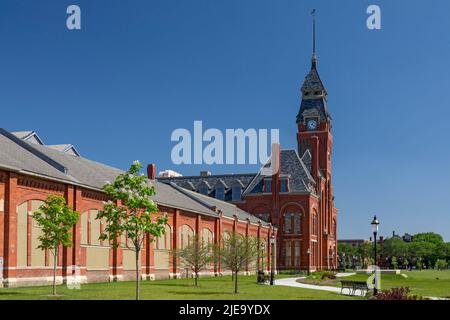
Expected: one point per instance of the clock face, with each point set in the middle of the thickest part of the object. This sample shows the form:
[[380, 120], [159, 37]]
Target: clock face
[[312, 124]]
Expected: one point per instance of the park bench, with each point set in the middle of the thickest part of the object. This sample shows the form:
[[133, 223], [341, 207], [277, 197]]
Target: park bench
[[352, 286], [262, 277]]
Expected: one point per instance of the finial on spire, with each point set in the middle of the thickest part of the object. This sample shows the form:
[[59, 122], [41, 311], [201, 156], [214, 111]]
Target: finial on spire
[[314, 57]]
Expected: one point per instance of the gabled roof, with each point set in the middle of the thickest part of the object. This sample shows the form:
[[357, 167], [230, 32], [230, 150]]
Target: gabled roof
[[66, 148], [30, 136]]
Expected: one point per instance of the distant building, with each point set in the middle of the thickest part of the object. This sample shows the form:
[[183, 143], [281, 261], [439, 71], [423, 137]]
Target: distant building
[[406, 237], [169, 174]]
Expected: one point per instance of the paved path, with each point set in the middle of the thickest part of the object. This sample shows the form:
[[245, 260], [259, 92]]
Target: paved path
[[292, 282]]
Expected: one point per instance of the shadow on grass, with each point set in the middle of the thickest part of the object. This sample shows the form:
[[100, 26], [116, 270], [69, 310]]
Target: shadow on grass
[[185, 285], [7, 293], [200, 293]]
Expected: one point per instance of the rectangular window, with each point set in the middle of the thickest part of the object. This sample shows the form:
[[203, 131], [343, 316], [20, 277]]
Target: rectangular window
[[284, 185], [288, 254], [236, 193], [297, 253], [220, 193], [297, 223], [268, 185], [287, 223]]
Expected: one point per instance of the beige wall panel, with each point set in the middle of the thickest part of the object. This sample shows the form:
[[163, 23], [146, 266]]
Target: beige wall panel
[[84, 228], [162, 259], [37, 255], [97, 258], [129, 259], [22, 222], [95, 228]]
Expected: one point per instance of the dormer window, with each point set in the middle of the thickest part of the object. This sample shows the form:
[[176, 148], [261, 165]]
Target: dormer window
[[284, 185], [236, 193], [268, 185], [220, 193], [203, 190]]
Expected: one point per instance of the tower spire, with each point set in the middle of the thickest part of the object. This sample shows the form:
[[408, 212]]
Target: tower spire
[[314, 57]]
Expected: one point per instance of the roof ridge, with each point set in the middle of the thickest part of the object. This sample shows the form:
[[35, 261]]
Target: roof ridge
[[191, 196]]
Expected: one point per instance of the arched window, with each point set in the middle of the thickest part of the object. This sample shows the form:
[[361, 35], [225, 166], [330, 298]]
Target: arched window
[[186, 236], [292, 222], [314, 223], [207, 236], [164, 242]]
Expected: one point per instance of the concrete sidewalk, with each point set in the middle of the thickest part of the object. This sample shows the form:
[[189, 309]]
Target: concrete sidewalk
[[292, 282]]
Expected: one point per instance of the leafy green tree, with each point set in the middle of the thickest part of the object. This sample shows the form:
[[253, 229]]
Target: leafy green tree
[[428, 237], [130, 213], [196, 256], [56, 219], [237, 252]]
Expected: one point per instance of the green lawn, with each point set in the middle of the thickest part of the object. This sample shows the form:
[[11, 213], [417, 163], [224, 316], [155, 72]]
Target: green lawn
[[423, 282], [210, 288], [426, 282]]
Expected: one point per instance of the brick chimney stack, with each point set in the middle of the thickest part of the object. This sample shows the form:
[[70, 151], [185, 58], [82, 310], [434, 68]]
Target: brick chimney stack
[[151, 171]]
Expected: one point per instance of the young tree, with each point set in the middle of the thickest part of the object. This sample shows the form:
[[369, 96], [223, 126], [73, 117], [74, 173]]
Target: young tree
[[236, 253], [196, 256], [56, 219], [133, 218], [441, 264]]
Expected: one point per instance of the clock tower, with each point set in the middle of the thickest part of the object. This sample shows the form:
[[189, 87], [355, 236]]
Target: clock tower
[[315, 141]]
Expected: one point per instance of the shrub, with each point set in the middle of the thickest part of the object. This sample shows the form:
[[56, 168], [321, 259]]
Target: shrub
[[402, 293], [328, 275]]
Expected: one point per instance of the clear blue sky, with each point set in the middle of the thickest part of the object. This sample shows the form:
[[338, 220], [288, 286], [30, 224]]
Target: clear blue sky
[[140, 69]]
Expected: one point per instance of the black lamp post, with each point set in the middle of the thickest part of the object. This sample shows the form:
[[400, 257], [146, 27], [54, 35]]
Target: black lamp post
[[272, 262], [375, 224]]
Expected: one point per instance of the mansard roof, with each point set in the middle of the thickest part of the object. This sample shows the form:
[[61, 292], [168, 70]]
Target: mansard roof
[[292, 166], [312, 81], [227, 180], [314, 107]]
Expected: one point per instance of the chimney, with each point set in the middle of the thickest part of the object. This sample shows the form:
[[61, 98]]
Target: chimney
[[315, 157], [151, 171]]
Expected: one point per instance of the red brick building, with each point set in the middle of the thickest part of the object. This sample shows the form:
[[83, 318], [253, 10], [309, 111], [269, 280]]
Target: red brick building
[[298, 199], [30, 171]]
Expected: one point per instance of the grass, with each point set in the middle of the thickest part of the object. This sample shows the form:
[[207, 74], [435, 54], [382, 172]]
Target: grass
[[214, 288], [430, 283]]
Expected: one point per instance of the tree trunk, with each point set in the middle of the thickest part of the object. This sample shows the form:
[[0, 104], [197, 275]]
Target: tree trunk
[[236, 282], [138, 275], [55, 262], [196, 280]]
